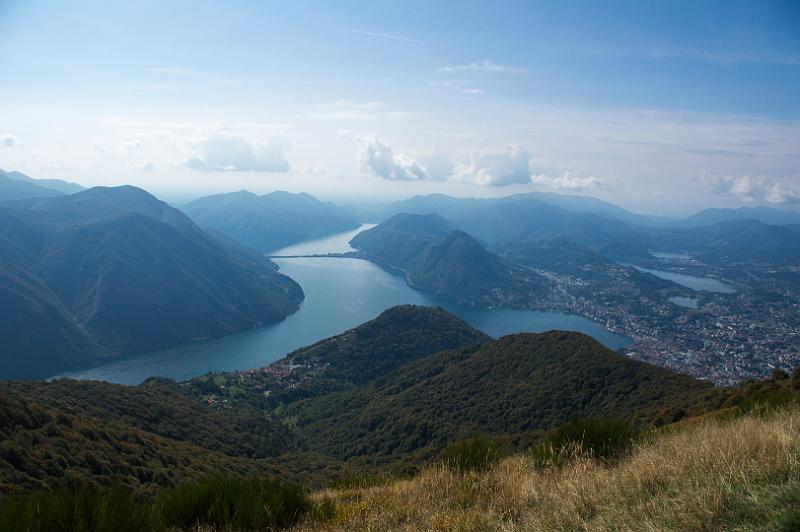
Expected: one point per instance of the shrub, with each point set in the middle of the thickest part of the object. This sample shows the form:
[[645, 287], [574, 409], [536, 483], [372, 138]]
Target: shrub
[[472, 454], [597, 437], [778, 374], [83, 508], [228, 503], [220, 503], [767, 400]]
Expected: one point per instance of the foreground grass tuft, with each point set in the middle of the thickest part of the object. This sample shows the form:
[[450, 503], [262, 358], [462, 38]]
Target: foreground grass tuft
[[211, 504], [741, 473]]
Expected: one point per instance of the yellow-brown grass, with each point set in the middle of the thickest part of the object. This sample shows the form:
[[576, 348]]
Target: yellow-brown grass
[[738, 474]]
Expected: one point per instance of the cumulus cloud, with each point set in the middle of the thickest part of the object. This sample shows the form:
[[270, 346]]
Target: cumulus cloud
[[497, 167], [10, 141], [481, 66], [572, 180], [237, 154], [377, 158], [757, 188], [437, 164]]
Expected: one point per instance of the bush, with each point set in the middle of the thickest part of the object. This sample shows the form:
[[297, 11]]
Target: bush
[[767, 400], [472, 454], [221, 503], [83, 508], [228, 503], [601, 438]]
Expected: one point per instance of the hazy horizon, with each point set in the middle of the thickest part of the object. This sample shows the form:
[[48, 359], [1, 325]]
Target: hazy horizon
[[663, 108]]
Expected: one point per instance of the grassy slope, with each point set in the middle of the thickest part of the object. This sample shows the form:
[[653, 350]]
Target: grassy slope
[[741, 473]]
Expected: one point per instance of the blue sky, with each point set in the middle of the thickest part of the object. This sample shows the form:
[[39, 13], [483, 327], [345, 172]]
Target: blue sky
[[659, 106]]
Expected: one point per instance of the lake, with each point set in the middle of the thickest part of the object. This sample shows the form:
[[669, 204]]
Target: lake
[[674, 256], [341, 293], [707, 284], [688, 302], [338, 243]]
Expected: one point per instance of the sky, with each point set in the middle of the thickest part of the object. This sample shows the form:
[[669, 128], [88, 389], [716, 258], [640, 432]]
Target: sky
[[660, 107]]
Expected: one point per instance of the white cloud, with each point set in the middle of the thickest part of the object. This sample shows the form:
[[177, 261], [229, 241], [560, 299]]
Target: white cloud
[[757, 188], [10, 141], [377, 158], [571, 180], [437, 164], [482, 66], [497, 167], [237, 154], [149, 166], [471, 90]]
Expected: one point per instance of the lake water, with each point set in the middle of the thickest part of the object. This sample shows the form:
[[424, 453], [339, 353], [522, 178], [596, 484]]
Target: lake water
[[340, 294], [338, 243], [665, 255], [688, 302], [706, 284]]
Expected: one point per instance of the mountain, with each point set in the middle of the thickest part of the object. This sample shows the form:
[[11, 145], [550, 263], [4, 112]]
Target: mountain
[[65, 187], [445, 262], [112, 271], [140, 437], [590, 205], [271, 221], [460, 267], [528, 217], [399, 335], [14, 189], [441, 203], [766, 215], [518, 384], [737, 240], [402, 238]]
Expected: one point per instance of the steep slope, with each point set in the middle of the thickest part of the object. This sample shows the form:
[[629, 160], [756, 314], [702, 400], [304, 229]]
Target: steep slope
[[130, 274], [445, 262], [271, 221], [402, 238], [727, 474], [517, 384], [142, 437], [460, 267]]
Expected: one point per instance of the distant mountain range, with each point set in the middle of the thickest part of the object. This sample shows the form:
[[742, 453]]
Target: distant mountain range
[[271, 221], [111, 271], [16, 185], [762, 233], [765, 215], [737, 240], [528, 217]]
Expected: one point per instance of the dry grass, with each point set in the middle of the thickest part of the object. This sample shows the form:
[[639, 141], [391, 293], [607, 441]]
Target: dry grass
[[740, 474]]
